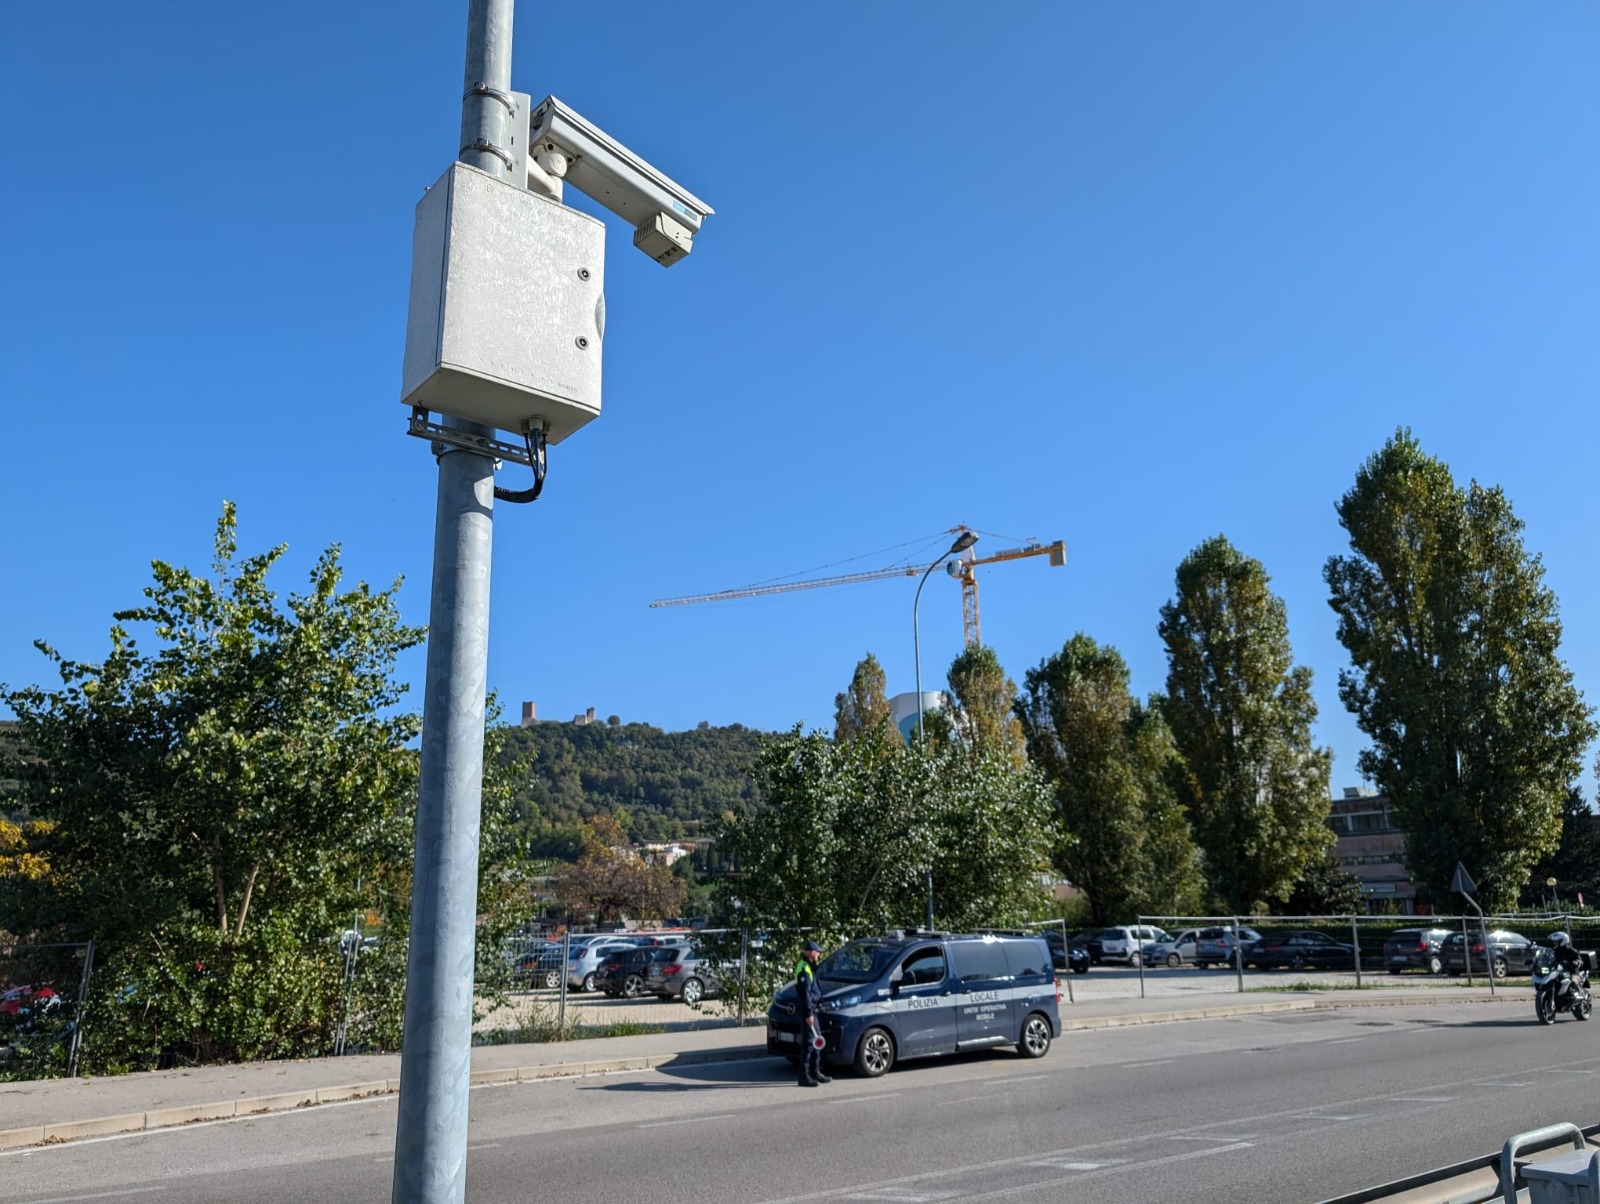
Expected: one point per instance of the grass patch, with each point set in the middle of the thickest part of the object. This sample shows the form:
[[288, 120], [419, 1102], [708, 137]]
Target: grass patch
[[541, 1024]]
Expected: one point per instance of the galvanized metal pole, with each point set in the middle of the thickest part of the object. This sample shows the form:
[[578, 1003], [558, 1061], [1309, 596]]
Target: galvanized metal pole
[[430, 1157], [1355, 943]]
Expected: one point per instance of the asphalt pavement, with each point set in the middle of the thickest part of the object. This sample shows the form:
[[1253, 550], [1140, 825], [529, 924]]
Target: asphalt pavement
[[1279, 1106], [55, 1110]]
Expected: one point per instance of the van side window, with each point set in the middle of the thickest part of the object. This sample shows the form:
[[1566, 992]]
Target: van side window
[[923, 967], [975, 960], [1026, 958]]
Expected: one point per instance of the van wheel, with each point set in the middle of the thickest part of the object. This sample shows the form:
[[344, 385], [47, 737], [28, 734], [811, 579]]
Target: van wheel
[[1435, 964], [1173, 961], [1035, 1041], [588, 983], [693, 991], [632, 987], [875, 1054]]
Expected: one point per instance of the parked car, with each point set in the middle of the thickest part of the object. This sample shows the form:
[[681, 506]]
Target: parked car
[[1300, 951], [1124, 942], [1065, 955], [1173, 952], [1509, 953], [1089, 941], [1415, 948], [585, 959], [1215, 945], [623, 974], [684, 973], [541, 967]]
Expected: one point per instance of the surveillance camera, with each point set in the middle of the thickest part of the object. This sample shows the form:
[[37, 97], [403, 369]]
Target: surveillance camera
[[561, 145]]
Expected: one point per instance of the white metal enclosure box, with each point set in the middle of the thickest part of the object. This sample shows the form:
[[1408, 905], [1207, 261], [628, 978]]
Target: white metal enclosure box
[[507, 309]]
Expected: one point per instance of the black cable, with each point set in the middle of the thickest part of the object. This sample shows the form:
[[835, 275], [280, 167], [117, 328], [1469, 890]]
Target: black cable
[[537, 461]]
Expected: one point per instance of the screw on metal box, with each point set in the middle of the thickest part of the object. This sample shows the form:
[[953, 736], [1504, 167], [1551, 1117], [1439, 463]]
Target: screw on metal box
[[582, 342], [583, 273]]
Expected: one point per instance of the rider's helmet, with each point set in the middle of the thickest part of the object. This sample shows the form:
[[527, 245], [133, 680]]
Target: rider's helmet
[[1559, 939]]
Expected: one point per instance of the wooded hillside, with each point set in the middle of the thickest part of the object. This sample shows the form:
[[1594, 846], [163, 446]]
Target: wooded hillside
[[662, 785]]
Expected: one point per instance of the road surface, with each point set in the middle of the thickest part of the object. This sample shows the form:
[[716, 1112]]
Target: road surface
[[1283, 1107]]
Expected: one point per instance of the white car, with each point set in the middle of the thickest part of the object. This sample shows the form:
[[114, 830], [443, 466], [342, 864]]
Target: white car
[[1123, 942]]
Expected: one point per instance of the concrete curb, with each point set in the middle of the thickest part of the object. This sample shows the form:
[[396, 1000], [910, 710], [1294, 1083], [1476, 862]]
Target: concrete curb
[[162, 1118]]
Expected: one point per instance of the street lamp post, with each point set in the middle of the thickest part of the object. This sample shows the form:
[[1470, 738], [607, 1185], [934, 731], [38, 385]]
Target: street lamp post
[[963, 541]]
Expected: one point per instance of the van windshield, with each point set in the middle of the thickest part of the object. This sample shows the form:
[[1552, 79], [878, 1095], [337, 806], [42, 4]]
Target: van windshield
[[859, 961]]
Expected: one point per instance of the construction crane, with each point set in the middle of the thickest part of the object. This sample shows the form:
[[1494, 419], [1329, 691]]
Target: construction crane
[[962, 569]]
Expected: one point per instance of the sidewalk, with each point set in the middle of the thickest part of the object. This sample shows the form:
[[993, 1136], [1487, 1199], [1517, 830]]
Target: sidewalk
[[63, 1109]]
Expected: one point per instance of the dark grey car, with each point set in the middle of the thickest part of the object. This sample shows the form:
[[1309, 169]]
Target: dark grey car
[[1415, 949], [1509, 953]]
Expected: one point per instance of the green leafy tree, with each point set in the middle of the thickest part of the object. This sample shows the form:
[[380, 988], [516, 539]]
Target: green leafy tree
[[214, 811], [983, 716], [238, 763], [1124, 841], [1241, 711], [1325, 888], [863, 709], [1575, 863], [845, 838], [1457, 679]]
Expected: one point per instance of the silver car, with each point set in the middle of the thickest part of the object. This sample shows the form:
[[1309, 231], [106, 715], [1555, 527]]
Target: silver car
[[687, 975]]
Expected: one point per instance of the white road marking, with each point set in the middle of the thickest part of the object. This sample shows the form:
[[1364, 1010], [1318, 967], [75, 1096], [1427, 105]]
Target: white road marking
[[1028, 1078], [863, 1099], [1217, 1137], [99, 1195], [1346, 1040], [905, 1194], [1138, 1065], [967, 1099], [1423, 1099], [1332, 1116], [1570, 1070], [1025, 1188], [484, 1145], [687, 1120], [1063, 1164], [1497, 1083]]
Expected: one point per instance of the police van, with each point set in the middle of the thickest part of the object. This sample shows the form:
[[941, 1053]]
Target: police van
[[917, 994]]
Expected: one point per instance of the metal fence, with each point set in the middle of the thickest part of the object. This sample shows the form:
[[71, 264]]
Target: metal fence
[[574, 984], [1345, 951]]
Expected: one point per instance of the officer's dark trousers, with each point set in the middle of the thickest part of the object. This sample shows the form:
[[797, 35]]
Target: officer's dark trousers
[[812, 1065]]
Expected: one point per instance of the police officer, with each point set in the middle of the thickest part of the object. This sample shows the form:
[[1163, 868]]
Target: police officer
[[807, 995], [1566, 956]]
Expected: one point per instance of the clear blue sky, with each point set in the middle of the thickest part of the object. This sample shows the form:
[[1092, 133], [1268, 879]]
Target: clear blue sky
[[1123, 275]]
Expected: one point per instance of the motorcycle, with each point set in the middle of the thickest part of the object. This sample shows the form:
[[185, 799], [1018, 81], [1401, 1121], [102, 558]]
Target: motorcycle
[[1554, 990]]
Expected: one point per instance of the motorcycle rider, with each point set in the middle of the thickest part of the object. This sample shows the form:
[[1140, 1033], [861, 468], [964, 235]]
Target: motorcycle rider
[[1567, 958]]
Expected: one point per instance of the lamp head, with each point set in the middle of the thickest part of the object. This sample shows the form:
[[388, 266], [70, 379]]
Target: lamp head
[[964, 541]]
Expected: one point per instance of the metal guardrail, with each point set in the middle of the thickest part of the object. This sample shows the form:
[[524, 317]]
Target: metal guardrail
[[1503, 1160]]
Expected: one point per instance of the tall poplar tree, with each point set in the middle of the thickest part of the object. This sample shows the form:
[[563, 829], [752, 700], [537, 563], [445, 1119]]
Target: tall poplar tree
[[1124, 842], [1241, 711], [864, 707], [985, 698], [1476, 726]]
